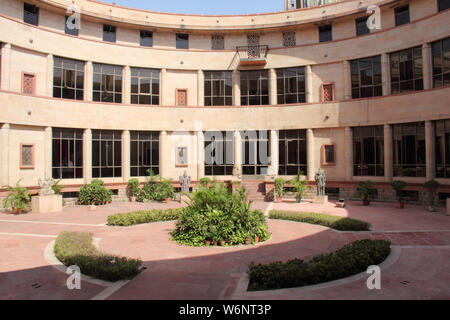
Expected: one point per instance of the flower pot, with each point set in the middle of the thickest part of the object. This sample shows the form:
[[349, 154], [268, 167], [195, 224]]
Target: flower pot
[[278, 199], [132, 199], [366, 202], [248, 241], [298, 200], [257, 239], [400, 205], [166, 200], [214, 243], [18, 211], [207, 242], [222, 243]]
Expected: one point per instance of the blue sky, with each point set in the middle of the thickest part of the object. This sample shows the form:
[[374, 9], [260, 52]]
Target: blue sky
[[204, 6]]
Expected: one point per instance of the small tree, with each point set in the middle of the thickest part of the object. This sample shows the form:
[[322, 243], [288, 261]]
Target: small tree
[[365, 188], [17, 199], [398, 186], [299, 185], [279, 187], [133, 188], [432, 186], [204, 182]]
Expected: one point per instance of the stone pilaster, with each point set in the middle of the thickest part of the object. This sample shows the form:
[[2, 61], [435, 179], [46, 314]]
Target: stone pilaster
[[236, 88], [162, 83], [126, 155], [126, 88], [88, 80], [348, 154], [308, 84], [388, 153], [273, 87], [237, 167], [48, 152], [430, 150], [347, 80], [200, 154], [427, 70], [385, 74], [200, 88], [4, 154], [164, 159], [310, 161], [274, 151], [6, 66], [87, 156], [49, 73]]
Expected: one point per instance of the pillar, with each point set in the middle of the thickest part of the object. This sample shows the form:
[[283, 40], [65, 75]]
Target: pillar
[[48, 137], [426, 58], [348, 154], [49, 83], [273, 87], [88, 81], [162, 82], [237, 166], [385, 74], [430, 150], [87, 156], [236, 88], [274, 151], [347, 80], [4, 154], [388, 153], [126, 155], [164, 160], [126, 88], [310, 154], [308, 84], [200, 154], [200, 88], [6, 66]]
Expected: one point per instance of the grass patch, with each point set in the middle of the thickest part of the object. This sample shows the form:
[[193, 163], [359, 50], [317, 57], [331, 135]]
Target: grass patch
[[347, 261], [76, 248], [327, 220], [139, 217]]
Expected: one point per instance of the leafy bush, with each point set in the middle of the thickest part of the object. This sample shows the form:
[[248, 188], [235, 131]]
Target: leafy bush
[[398, 186], [133, 187], [279, 187], [347, 261], [216, 214], [139, 217], [334, 222], [18, 198], [163, 190], [299, 185], [155, 188], [365, 189], [56, 187], [76, 248], [94, 194], [204, 182]]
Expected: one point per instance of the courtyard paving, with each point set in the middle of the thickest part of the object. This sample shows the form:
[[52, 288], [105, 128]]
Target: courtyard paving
[[418, 268]]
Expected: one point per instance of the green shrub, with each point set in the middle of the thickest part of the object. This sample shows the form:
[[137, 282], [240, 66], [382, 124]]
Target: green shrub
[[204, 182], [327, 220], [76, 248], [18, 198], [398, 186], [216, 214], [139, 217], [133, 187], [347, 261], [94, 194], [155, 188], [56, 187], [365, 189], [279, 187]]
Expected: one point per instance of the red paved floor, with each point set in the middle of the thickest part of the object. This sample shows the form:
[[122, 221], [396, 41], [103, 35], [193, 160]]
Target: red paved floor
[[181, 272]]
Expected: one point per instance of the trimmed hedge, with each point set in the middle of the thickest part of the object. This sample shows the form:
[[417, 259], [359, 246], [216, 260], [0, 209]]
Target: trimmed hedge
[[76, 248], [347, 261], [327, 220], [139, 217]]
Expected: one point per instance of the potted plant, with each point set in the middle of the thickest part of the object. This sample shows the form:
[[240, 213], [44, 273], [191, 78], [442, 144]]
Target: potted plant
[[17, 199], [432, 187], [364, 189], [398, 186], [300, 186], [204, 182], [279, 189], [133, 189]]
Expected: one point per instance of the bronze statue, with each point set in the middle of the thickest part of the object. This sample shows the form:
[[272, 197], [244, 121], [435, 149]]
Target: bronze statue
[[320, 182]]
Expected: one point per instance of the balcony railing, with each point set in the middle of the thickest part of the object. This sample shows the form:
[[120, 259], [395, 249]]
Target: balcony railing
[[252, 55]]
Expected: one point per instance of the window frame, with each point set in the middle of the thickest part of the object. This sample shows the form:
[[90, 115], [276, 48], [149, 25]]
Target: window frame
[[363, 167], [442, 135], [417, 82], [178, 164], [32, 165], [107, 141], [141, 167], [224, 81], [365, 30], [324, 154], [323, 34], [284, 164], [28, 14], [112, 32], [440, 7], [179, 41], [261, 95], [33, 86], [78, 72], [145, 36], [77, 136], [399, 16], [360, 87], [299, 94], [227, 142], [177, 102], [322, 87], [441, 57], [153, 97], [101, 91]]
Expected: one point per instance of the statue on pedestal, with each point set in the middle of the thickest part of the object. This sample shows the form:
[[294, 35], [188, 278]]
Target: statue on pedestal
[[185, 182], [46, 187], [320, 181]]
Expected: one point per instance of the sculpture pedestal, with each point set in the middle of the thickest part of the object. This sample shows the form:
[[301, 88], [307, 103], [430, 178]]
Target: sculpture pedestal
[[45, 204], [320, 199]]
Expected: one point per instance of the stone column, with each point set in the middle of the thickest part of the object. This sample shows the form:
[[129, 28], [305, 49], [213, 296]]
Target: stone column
[[4, 154], [49, 83], [236, 88], [427, 70], [348, 154], [274, 151], [237, 167], [200, 88], [273, 87], [347, 80], [87, 156], [88, 81], [200, 155], [48, 137], [385, 74], [310, 162], [126, 88], [6, 66], [164, 159], [162, 82], [430, 150], [308, 84], [126, 155], [388, 153]]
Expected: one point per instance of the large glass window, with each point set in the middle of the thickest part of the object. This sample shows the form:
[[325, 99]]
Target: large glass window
[[401, 15], [109, 33], [182, 41], [67, 153], [218, 88], [255, 152], [144, 86], [107, 85], [409, 149], [361, 26], [144, 152], [366, 77], [68, 78], [254, 87], [443, 149], [325, 33], [106, 153], [219, 153], [292, 152], [146, 38], [443, 5], [406, 70], [291, 85], [368, 151], [441, 62], [30, 14]]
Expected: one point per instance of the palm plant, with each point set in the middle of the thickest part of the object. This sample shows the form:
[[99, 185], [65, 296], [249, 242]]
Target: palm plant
[[365, 188], [398, 186], [17, 199], [432, 187], [279, 188], [299, 185]]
